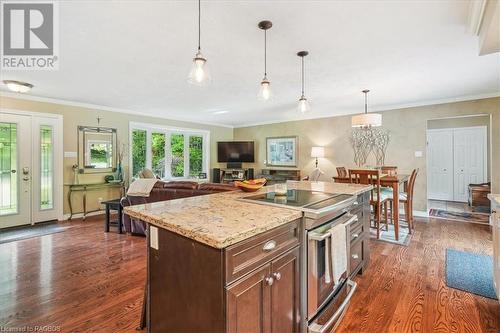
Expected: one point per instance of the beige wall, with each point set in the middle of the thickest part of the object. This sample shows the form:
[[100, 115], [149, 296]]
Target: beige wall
[[407, 131], [74, 116]]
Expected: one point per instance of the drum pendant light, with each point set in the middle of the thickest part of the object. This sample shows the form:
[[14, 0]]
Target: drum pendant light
[[366, 120]]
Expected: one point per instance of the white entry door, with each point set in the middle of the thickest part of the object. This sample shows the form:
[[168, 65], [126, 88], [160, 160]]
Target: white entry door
[[30, 169], [469, 159], [440, 164], [15, 169]]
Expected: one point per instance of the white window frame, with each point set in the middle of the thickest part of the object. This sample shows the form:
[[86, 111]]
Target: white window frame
[[168, 131]]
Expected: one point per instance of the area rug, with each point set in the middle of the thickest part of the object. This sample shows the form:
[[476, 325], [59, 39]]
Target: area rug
[[459, 216], [389, 236], [470, 272], [37, 230]]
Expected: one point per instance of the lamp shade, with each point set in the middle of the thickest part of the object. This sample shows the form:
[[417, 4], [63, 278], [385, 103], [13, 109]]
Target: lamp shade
[[367, 120], [318, 152]]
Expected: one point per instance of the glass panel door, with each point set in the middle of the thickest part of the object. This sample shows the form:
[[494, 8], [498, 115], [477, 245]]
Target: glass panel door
[[46, 168], [8, 169], [139, 141], [15, 170], [47, 181]]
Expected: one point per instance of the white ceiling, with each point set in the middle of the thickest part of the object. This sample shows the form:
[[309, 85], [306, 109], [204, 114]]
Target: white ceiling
[[135, 55]]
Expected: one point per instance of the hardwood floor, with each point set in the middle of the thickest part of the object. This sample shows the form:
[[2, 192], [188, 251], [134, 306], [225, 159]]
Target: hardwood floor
[[85, 280]]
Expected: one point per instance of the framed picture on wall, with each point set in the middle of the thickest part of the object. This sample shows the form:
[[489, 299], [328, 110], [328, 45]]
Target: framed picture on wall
[[281, 151]]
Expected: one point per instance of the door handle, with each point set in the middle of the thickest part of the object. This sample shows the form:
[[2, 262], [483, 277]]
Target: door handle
[[269, 281], [277, 276]]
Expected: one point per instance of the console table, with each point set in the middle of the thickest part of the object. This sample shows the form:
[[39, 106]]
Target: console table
[[84, 188]]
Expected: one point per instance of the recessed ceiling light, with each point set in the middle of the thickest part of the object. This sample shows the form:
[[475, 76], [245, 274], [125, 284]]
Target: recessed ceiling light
[[220, 112], [18, 86]]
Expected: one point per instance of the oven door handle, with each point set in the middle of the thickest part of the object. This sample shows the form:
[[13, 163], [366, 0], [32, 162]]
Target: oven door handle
[[320, 237], [315, 328]]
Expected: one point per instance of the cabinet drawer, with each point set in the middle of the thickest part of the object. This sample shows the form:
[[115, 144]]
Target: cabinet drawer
[[358, 211], [357, 232], [356, 255], [249, 254]]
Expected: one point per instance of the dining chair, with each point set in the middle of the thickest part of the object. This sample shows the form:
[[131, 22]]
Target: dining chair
[[389, 170], [378, 200], [406, 198], [342, 176], [341, 172]]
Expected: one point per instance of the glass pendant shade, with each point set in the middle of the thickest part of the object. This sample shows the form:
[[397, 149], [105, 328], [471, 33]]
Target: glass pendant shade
[[304, 105], [367, 120], [199, 74], [265, 90]]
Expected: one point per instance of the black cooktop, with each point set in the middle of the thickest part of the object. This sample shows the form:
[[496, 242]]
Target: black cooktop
[[300, 198]]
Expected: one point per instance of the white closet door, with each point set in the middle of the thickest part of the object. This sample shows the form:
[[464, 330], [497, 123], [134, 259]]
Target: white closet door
[[440, 164], [469, 160]]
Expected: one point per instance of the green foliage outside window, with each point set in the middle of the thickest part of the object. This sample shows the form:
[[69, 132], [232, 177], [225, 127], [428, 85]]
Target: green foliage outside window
[[158, 153], [138, 151], [195, 155], [177, 148]]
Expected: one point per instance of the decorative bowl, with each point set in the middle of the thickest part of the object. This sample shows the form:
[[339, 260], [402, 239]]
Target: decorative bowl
[[251, 185]]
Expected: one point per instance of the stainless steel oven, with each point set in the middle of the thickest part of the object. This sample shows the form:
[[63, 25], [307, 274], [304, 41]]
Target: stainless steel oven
[[327, 300], [321, 286]]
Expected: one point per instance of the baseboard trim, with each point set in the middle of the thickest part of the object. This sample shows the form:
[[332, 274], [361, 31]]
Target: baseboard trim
[[420, 213], [80, 215]]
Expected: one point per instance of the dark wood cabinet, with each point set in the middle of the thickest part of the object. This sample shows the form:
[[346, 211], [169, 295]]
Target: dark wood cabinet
[[251, 286], [266, 300], [249, 303]]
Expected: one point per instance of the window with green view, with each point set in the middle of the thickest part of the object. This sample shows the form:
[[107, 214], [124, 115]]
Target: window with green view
[[158, 154], [195, 155], [177, 150], [138, 151]]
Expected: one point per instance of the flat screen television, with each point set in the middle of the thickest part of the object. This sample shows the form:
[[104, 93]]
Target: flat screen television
[[235, 151]]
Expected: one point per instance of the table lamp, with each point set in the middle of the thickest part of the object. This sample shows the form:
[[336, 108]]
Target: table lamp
[[317, 152]]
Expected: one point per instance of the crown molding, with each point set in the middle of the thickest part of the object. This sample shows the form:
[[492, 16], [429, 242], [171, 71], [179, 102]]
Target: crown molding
[[101, 107], [385, 108]]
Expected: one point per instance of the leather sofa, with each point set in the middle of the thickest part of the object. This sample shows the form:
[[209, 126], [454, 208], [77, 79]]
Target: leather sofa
[[163, 191]]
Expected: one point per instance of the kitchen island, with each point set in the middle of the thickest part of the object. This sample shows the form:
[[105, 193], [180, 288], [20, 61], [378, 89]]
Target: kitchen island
[[217, 263]]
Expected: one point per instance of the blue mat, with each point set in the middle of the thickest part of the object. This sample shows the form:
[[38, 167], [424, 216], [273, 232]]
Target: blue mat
[[470, 272]]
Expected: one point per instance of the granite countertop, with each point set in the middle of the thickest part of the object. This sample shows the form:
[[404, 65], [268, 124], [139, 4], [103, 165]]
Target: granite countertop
[[495, 198], [221, 219]]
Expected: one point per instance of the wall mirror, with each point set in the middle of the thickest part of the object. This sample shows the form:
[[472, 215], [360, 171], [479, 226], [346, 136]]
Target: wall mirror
[[97, 149]]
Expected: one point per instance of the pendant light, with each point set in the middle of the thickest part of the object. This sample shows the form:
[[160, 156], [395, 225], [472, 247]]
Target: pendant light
[[199, 74], [366, 120], [303, 106], [265, 84]]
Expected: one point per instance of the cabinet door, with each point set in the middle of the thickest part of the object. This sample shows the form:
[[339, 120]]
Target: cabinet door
[[440, 164], [285, 293], [249, 303]]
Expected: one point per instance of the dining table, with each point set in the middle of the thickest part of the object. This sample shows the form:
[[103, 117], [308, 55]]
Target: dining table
[[394, 181]]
